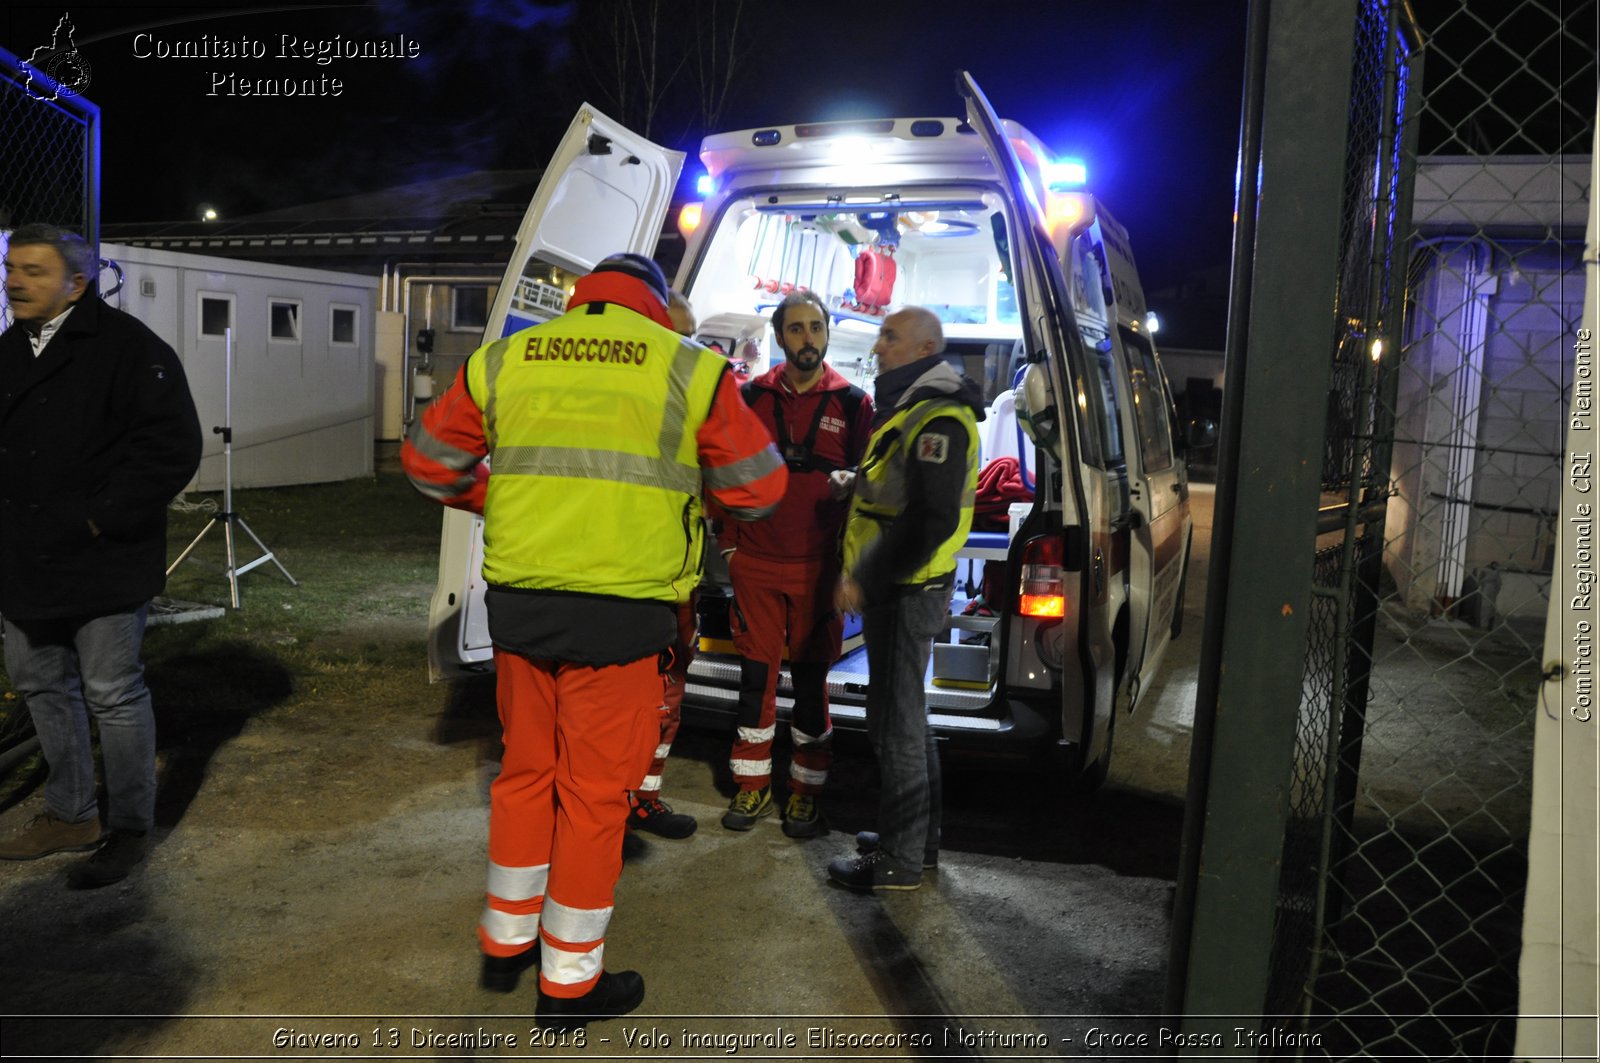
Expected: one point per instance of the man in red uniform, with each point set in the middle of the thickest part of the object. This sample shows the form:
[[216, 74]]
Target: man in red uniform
[[602, 426], [784, 570]]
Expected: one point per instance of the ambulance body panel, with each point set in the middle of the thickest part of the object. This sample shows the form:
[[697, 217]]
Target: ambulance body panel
[[1040, 303]]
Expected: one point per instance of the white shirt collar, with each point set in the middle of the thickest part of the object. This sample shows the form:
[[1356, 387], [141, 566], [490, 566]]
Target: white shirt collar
[[48, 330]]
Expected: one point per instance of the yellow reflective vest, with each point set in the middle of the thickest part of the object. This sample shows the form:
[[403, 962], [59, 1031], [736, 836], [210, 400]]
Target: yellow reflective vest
[[880, 489], [595, 477]]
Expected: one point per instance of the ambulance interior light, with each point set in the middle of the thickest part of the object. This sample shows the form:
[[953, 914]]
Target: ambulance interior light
[[849, 147]]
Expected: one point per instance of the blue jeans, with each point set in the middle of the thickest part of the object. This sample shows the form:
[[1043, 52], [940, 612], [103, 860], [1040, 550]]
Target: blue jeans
[[68, 670], [900, 634]]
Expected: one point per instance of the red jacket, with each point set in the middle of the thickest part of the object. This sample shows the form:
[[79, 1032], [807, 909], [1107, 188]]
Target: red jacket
[[807, 523]]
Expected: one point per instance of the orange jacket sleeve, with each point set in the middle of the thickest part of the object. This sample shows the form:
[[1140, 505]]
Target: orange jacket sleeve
[[443, 455], [743, 474]]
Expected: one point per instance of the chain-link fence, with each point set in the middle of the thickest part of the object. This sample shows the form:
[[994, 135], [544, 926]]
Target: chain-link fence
[[50, 170], [1405, 854]]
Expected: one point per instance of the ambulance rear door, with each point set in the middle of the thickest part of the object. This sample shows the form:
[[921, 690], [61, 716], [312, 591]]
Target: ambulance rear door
[[606, 190], [1083, 638]]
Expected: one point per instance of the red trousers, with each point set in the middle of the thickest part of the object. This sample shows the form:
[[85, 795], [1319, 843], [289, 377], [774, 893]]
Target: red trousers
[[779, 605], [672, 699], [577, 739]]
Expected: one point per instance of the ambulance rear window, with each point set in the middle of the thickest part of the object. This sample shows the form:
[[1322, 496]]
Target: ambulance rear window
[[863, 252]]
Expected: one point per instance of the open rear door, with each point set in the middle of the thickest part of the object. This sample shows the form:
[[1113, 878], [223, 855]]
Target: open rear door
[[606, 190], [1057, 347]]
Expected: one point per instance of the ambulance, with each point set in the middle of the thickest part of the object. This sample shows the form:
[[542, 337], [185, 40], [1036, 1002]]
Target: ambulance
[[1065, 604]]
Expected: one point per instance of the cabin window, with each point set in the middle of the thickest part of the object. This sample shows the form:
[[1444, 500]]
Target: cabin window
[[342, 325], [216, 315], [1149, 404], [283, 318]]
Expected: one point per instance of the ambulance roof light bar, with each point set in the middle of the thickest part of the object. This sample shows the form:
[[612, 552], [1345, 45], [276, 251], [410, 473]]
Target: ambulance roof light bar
[[1065, 173]]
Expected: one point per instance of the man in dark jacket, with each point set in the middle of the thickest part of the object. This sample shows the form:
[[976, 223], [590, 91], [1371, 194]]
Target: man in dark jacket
[[97, 434], [910, 514]]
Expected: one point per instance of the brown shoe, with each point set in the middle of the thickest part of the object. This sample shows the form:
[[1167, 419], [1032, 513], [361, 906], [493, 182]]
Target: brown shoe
[[47, 834]]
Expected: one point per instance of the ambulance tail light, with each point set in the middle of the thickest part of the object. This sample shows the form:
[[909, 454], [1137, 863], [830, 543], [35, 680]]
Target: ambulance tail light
[[689, 218], [1042, 593]]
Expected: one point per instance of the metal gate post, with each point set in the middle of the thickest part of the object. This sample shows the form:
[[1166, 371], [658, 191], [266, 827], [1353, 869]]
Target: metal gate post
[[1250, 687]]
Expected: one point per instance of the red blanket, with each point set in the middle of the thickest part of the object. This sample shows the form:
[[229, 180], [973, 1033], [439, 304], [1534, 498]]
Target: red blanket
[[999, 485]]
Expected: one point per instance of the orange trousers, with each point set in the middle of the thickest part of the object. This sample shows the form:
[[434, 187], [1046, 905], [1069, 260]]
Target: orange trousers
[[683, 650], [577, 739]]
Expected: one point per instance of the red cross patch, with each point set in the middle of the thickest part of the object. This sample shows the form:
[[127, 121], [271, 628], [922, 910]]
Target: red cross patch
[[933, 447]]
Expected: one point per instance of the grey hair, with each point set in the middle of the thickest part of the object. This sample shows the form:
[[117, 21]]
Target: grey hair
[[927, 326], [73, 249]]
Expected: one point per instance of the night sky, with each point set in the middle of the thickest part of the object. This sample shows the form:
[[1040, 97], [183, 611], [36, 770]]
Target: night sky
[[1147, 92]]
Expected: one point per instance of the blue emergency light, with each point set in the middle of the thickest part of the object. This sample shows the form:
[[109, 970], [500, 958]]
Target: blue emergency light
[[1066, 173]]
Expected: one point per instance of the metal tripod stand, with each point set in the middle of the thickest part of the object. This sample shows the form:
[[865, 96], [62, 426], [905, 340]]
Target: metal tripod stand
[[227, 517]]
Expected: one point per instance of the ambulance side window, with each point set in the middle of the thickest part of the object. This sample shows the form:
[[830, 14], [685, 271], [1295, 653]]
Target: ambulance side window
[[1149, 404], [1099, 396], [1088, 296], [1111, 422]]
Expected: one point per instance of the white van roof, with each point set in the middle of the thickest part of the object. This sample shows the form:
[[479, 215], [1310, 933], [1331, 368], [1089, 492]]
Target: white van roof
[[887, 142]]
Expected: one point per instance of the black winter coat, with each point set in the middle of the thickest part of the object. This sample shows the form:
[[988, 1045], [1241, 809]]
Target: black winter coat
[[100, 427]]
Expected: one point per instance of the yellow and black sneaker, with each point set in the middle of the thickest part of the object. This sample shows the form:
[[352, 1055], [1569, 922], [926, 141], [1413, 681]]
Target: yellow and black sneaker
[[747, 807], [802, 818]]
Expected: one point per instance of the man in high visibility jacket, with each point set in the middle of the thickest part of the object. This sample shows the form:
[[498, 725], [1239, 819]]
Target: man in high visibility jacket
[[910, 513], [601, 428]]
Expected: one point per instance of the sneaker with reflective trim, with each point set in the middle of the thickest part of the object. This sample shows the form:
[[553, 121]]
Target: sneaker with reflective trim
[[867, 841], [47, 833], [874, 870], [656, 816], [802, 818], [747, 807]]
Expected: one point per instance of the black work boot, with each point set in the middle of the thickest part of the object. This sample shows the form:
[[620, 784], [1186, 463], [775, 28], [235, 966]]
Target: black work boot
[[613, 995], [501, 973], [112, 862], [657, 817]]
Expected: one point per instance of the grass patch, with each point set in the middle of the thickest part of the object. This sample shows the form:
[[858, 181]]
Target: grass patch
[[364, 553]]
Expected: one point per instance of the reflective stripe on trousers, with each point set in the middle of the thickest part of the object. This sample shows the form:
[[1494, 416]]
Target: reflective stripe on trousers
[[779, 605]]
